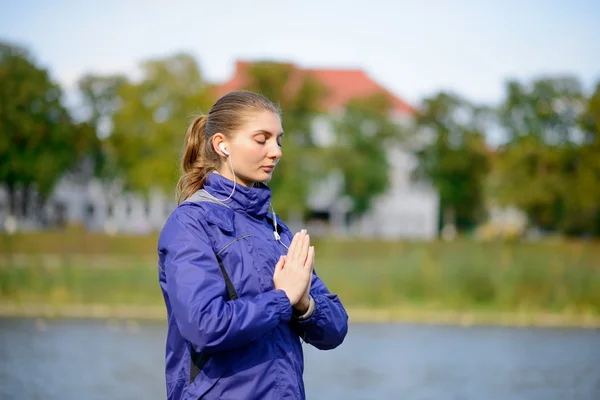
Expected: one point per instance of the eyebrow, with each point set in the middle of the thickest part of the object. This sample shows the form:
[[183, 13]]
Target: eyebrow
[[264, 132]]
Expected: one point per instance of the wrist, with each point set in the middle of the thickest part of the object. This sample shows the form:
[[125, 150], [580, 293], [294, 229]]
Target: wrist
[[287, 296], [302, 306], [305, 314]]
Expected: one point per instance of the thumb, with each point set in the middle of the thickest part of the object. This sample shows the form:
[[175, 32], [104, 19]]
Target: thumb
[[280, 263]]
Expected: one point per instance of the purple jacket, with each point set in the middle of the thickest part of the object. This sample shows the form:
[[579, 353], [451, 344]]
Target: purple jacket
[[254, 340]]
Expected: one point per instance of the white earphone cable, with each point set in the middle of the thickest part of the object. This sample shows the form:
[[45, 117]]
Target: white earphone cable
[[234, 182], [275, 233]]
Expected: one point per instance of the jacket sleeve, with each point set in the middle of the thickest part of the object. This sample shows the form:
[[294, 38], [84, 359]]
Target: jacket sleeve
[[326, 328], [196, 292]]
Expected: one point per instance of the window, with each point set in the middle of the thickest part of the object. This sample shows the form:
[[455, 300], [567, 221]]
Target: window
[[88, 212]]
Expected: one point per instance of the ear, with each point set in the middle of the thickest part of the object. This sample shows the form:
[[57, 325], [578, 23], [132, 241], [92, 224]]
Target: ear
[[217, 139]]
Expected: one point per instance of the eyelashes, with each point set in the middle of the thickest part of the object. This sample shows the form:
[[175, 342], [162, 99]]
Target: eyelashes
[[263, 143]]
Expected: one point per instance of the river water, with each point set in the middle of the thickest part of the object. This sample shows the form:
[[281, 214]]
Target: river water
[[74, 359]]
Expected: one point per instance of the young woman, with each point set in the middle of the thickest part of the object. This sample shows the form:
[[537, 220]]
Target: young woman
[[239, 288]]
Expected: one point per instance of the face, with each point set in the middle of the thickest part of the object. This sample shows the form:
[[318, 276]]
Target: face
[[254, 149]]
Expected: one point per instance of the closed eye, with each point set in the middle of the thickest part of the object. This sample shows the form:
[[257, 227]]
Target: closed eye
[[262, 136], [260, 139]]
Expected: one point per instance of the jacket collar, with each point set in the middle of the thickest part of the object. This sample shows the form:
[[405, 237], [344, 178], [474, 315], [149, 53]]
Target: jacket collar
[[251, 200]]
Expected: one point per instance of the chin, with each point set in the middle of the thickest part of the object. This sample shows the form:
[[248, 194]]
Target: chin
[[264, 180], [258, 178], [264, 177]]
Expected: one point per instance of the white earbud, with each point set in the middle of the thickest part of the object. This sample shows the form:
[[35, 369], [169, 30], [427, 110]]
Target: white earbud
[[222, 147], [224, 150]]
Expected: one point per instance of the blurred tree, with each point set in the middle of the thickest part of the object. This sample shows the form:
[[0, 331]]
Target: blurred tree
[[546, 111], [39, 142], [588, 165], [549, 165], [302, 163], [150, 119], [454, 157], [100, 101], [364, 133], [590, 119]]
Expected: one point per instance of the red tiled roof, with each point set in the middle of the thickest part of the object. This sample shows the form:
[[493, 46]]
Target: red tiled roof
[[342, 86]]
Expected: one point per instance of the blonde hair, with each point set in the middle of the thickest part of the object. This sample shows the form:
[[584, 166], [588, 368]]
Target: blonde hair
[[225, 116]]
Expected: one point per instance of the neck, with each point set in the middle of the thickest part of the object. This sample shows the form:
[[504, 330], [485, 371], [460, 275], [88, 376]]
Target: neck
[[225, 171]]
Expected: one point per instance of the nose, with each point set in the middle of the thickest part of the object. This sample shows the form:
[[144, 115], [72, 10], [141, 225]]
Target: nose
[[275, 152]]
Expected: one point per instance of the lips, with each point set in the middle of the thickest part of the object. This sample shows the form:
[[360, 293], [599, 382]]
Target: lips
[[268, 168]]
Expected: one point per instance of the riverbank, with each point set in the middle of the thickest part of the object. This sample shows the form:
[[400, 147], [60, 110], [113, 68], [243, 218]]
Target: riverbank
[[462, 282], [128, 313]]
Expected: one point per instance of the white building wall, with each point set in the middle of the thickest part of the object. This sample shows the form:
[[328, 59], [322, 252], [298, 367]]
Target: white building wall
[[411, 213], [406, 210], [95, 206]]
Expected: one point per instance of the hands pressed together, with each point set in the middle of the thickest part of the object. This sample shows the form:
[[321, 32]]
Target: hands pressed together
[[293, 273]]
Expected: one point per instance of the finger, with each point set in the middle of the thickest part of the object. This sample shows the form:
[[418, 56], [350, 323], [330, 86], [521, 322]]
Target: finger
[[304, 251], [309, 268], [279, 265], [312, 269], [299, 243], [310, 259], [293, 245]]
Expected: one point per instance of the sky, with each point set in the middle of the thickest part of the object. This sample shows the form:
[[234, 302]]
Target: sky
[[414, 49]]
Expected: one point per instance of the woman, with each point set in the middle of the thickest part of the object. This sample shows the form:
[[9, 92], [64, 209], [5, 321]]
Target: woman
[[239, 289]]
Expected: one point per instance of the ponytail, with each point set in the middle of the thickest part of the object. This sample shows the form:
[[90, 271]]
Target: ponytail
[[195, 164]]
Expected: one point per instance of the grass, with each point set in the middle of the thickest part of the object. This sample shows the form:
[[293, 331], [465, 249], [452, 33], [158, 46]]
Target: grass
[[461, 281]]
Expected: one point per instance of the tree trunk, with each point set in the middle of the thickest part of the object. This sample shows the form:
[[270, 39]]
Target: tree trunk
[[449, 228], [25, 198], [12, 200]]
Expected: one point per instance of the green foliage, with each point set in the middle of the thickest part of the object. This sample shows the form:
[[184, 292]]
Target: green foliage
[[149, 124], [546, 110], [100, 102], [39, 141], [454, 157], [101, 96], [364, 133], [550, 166], [588, 165], [590, 119]]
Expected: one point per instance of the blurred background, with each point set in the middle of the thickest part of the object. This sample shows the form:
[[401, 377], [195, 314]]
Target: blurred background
[[444, 156]]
